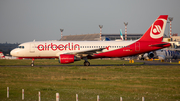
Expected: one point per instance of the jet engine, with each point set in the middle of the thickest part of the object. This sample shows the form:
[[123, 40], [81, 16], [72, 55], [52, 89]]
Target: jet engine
[[68, 58], [149, 55]]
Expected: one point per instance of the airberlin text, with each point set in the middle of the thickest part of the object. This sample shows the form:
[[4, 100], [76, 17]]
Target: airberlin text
[[61, 47]]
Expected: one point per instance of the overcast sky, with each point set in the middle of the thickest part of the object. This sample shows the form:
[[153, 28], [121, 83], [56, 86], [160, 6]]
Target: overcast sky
[[26, 20]]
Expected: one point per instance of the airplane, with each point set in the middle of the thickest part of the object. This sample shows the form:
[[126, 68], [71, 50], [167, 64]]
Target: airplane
[[161, 54], [2, 55], [71, 51], [121, 36], [106, 39], [7, 57], [167, 54]]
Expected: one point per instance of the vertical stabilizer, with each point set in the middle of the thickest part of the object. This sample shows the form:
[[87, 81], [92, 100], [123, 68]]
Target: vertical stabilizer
[[121, 36], [156, 30], [2, 55]]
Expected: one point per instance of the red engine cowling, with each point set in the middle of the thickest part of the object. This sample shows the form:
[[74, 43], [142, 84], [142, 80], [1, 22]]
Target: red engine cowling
[[67, 58]]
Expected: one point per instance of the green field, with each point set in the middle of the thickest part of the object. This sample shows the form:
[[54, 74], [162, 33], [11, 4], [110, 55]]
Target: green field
[[155, 83]]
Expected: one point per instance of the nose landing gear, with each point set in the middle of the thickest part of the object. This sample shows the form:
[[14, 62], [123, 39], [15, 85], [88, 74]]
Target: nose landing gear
[[32, 63], [86, 63]]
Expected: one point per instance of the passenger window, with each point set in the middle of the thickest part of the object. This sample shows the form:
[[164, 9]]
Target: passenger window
[[22, 47]]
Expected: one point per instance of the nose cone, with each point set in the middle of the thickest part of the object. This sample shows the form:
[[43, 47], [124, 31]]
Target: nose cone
[[12, 52]]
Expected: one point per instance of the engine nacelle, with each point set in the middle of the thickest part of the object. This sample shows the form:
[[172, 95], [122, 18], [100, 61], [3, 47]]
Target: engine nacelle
[[149, 55], [68, 58]]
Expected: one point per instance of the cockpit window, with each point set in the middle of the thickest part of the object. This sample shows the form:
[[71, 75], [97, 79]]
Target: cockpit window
[[22, 47]]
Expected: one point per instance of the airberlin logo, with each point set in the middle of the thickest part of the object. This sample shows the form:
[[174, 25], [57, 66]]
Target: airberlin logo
[[157, 29], [61, 47]]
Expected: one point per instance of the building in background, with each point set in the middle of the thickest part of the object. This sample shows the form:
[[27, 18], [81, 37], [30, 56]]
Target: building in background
[[95, 37]]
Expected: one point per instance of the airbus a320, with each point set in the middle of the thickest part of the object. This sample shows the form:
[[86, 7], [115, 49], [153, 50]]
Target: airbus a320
[[70, 51]]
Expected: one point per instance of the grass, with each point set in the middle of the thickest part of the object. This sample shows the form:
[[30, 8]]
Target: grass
[[155, 83]]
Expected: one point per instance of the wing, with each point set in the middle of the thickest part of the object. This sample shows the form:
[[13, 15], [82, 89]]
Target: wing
[[85, 53]]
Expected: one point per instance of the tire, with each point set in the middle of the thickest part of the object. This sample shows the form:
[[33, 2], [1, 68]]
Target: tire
[[32, 64], [86, 63]]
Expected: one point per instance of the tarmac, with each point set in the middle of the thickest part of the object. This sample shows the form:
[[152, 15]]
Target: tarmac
[[152, 63]]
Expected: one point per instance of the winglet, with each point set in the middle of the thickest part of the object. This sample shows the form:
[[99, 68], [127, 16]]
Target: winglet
[[107, 47]]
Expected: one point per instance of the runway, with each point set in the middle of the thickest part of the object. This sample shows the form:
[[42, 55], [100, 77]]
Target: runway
[[144, 63]]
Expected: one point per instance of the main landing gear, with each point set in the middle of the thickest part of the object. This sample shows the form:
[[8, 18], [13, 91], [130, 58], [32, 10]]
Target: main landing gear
[[86, 62], [32, 63]]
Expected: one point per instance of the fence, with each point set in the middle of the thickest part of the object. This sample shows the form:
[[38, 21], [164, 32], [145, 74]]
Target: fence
[[57, 96]]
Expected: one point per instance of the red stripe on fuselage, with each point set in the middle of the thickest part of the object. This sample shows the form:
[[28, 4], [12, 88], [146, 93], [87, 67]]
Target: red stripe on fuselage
[[131, 50], [45, 57]]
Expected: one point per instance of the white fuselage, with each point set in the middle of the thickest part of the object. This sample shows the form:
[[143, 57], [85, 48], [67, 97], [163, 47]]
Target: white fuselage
[[55, 48]]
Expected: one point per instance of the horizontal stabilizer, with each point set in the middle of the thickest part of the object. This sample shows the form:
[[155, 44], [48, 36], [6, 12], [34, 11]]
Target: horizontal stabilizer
[[160, 45]]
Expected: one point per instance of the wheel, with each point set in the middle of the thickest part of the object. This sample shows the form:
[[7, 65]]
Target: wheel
[[32, 64], [86, 63]]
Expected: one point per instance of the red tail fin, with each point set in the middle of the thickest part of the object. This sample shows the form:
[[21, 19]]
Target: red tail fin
[[156, 31], [2, 55]]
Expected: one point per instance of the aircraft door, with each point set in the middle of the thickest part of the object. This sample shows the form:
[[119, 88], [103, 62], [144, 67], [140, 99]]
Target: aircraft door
[[137, 46], [32, 48]]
